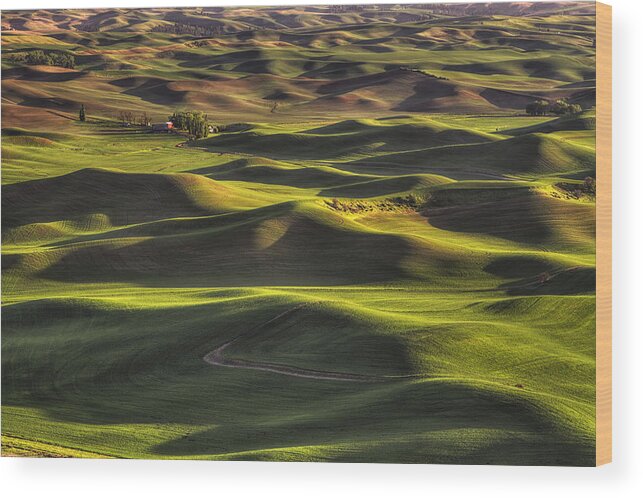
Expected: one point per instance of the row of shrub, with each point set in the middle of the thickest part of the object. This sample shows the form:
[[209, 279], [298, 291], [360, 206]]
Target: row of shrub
[[42, 58], [198, 30]]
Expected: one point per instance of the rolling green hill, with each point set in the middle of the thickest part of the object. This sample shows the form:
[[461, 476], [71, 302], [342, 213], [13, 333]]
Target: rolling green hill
[[376, 257]]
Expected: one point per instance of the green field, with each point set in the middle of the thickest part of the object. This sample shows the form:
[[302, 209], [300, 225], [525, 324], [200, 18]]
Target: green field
[[380, 257]]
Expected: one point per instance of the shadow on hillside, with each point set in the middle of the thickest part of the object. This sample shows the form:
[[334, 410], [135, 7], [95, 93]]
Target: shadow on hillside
[[571, 281], [514, 216], [301, 177], [380, 435], [269, 249], [427, 93], [532, 276], [33, 74]]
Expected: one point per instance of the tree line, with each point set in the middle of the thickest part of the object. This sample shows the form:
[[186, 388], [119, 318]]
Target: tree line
[[42, 58], [190, 29], [128, 117], [559, 107]]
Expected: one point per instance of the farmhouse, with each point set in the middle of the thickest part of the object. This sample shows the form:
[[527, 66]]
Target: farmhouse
[[160, 127]]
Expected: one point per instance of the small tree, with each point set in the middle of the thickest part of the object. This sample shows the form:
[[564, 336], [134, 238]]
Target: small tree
[[81, 113]]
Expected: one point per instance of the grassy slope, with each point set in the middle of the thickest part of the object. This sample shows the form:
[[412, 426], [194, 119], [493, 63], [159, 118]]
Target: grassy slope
[[126, 259]]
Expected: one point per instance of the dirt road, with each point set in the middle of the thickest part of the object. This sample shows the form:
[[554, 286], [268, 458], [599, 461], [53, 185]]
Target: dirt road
[[217, 358]]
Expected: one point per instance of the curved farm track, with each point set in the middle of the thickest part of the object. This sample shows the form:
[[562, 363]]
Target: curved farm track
[[217, 358]]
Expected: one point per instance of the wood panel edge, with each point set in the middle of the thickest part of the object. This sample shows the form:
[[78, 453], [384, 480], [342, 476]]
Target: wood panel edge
[[603, 234]]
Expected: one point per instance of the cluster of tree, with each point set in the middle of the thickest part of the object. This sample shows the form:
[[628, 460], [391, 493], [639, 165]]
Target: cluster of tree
[[537, 108], [179, 28], [42, 58], [194, 122], [128, 117], [578, 190], [559, 107], [81, 114]]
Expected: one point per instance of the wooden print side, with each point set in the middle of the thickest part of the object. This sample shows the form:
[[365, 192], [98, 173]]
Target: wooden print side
[[603, 234]]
